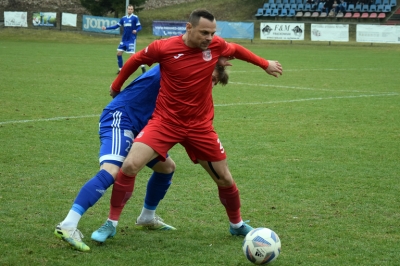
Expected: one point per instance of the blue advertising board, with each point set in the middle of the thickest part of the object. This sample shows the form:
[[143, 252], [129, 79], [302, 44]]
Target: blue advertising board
[[92, 23], [169, 28], [236, 30]]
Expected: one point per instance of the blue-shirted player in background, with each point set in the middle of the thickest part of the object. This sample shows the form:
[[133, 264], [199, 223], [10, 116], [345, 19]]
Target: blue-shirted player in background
[[131, 26], [120, 122]]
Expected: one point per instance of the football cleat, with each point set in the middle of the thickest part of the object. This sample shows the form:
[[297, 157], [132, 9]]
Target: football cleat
[[241, 231], [72, 236], [156, 224], [107, 230]]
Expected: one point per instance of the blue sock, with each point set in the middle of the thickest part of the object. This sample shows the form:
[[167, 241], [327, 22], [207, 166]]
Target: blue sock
[[92, 191], [157, 187], [120, 61]]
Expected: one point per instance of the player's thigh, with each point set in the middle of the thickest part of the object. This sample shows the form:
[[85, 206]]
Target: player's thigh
[[115, 137], [218, 171], [139, 155]]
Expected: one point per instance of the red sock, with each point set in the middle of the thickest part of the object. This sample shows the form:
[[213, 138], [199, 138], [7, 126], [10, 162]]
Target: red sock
[[229, 197], [121, 193]]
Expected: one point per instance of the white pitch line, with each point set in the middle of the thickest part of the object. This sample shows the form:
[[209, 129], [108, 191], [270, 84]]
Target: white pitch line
[[47, 119], [216, 105], [303, 88], [309, 99]]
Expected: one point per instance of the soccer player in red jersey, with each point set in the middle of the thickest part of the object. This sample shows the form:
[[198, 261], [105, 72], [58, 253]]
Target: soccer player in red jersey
[[184, 110]]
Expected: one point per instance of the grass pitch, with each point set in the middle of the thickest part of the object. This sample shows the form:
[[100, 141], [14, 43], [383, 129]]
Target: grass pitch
[[315, 154]]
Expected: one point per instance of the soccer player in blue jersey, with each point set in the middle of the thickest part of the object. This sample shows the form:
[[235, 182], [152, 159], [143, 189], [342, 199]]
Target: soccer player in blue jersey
[[122, 119], [131, 26]]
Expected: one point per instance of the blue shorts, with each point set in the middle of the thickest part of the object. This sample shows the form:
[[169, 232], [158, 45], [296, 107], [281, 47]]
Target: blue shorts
[[116, 137], [129, 47]]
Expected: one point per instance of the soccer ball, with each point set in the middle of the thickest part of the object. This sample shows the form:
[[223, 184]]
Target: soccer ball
[[261, 246]]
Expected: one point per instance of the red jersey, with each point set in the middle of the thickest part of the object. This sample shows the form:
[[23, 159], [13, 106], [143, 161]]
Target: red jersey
[[185, 96]]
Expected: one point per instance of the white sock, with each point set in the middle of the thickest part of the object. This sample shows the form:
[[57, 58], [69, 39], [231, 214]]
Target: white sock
[[71, 220], [236, 226], [147, 215], [115, 223]]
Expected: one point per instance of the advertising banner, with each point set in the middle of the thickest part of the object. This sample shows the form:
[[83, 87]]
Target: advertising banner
[[169, 28], [237, 30], [15, 19], [44, 19], [92, 23], [378, 33], [330, 32], [282, 31], [68, 19]]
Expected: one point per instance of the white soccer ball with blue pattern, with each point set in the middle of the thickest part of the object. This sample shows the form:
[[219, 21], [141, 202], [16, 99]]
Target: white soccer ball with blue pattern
[[261, 246]]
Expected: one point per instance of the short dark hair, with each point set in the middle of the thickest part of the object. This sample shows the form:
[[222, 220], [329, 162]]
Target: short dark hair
[[200, 13], [223, 76]]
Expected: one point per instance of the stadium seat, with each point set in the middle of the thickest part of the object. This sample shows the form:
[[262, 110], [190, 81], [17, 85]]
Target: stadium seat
[[307, 7], [286, 6], [299, 2], [293, 6], [300, 7], [373, 15], [272, 6], [323, 15], [365, 8], [292, 2], [267, 12], [393, 3], [381, 15], [350, 8], [271, 1], [274, 13], [292, 13], [348, 15], [378, 2], [387, 9], [266, 5], [315, 14], [380, 8], [364, 15], [259, 13], [285, 2], [307, 14], [320, 6], [278, 2], [385, 2], [372, 8], [340, 15], [279, 6], [299, 14], [356, 15], [357, 8], [284, 13]]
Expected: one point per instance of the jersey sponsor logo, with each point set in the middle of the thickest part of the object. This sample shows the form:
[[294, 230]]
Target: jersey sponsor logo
[[207, 56], [177, 56], [127, 24]]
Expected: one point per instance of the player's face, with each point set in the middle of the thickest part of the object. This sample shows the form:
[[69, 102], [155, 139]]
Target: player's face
[[130, 10], [215, 78], [201, 35]]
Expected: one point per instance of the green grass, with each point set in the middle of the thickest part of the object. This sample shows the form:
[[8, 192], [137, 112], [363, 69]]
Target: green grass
[[315, 154]]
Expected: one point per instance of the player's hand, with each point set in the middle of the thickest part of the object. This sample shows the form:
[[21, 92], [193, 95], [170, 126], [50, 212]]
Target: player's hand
[[103, 28], [274, 68], [224, 61], [134, 31], [113, 93]]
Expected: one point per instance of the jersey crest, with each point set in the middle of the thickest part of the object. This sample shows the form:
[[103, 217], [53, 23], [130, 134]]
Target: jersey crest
[[207, 56]]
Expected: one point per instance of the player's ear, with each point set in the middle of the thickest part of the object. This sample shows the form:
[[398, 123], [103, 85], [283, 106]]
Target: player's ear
[[188, 26]]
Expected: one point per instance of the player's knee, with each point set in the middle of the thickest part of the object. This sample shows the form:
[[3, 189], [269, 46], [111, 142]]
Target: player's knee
[[130, 167]]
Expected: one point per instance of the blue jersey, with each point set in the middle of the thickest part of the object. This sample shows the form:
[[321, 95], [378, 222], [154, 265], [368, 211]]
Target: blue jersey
[[138, 99], [130, 23]]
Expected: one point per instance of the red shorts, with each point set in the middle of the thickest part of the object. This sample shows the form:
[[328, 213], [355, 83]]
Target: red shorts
[[200, 143]]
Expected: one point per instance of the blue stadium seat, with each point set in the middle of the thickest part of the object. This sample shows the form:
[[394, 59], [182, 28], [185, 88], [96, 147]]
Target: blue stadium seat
[[350, 8], [271, 1], [266, 5], [285, 2], [372, 8], [365, 8], [292, 2], [293, 6], [287, 6], [278, 2], [275, 12], [279, 6], [259, 13], [393, 3], [380, 8], [320, 7], [385, 2], [299, 2], [357, 8], [307, 7], [378, 2], [387, 8], [292, 13], [267, 12], [300, 7], [283, 13], [272, 6]]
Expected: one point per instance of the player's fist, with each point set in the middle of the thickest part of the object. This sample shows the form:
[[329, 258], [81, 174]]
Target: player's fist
[[274, 68]]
